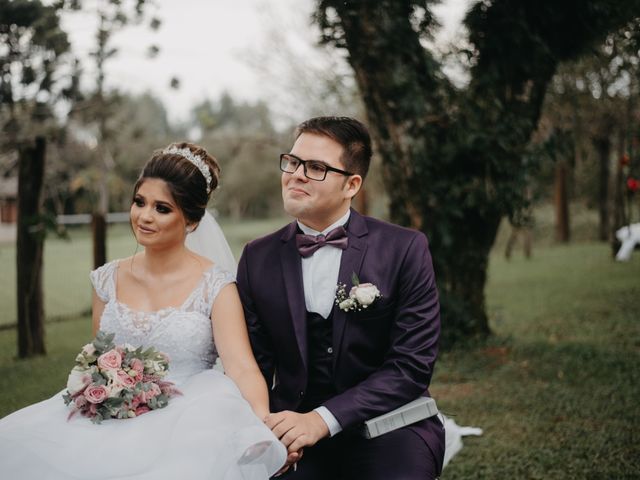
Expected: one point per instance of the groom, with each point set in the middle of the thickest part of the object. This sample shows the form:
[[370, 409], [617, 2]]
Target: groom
[[328, 368]]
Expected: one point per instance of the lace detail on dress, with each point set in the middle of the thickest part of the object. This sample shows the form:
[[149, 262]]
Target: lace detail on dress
[[184, 333], [103, 280]]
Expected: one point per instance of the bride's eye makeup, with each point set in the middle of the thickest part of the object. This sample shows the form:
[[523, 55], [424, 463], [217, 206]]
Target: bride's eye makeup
[[139, 201], [163, 208]]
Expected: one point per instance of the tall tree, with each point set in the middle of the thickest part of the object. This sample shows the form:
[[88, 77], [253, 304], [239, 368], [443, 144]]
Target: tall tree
[[454, 157], [32, 46]]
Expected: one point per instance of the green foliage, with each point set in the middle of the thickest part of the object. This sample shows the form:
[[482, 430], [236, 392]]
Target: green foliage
[[244, 141], [33, 46], [594, 101], [456, 159]]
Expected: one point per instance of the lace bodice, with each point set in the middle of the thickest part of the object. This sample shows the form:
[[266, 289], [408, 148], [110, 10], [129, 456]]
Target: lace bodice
[[184, 333]]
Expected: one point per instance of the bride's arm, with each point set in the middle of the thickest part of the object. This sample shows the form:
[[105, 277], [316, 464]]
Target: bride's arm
[[96, 312], [232, 342]]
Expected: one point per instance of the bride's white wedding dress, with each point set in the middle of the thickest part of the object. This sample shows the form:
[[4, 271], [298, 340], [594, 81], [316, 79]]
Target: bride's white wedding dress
[[210, 432]]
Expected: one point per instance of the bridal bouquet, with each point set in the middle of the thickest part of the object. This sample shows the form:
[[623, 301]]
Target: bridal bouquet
[[112, 381]]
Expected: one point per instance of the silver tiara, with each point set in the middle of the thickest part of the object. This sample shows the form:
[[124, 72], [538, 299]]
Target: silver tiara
[[195, 159]]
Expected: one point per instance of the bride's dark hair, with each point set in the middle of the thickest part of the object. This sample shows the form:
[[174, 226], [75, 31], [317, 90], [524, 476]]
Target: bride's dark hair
[[186, 182]]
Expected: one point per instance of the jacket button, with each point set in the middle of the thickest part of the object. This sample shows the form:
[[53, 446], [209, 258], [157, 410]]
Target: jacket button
[[330, 350], [301, 394]]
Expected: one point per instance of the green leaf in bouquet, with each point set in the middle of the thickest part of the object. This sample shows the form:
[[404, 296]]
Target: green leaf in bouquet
[[122, 413], [150, 353], [159, 401], [67, 398], [98, 378], [97, 419], [103, 341], [162, 400], [113, 402], [127, 395], [355, 281]]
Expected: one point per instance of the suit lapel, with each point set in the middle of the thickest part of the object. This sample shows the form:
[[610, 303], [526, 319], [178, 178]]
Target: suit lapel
[[292, 272], [350, 263]]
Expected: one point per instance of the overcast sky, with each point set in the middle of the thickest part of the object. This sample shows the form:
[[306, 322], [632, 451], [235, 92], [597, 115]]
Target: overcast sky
[[205, 43]]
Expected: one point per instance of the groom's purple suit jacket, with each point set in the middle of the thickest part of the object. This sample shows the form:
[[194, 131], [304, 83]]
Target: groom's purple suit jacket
[[383, 355]]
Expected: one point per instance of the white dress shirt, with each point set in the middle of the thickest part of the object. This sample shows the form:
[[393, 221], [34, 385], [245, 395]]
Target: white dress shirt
[[320, 271], [320, 278]]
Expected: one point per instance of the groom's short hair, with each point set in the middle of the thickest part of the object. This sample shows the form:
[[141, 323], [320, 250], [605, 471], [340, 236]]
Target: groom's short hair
[[348, 132]]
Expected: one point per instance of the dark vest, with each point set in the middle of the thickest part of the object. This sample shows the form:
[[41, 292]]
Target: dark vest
[[320, 350]]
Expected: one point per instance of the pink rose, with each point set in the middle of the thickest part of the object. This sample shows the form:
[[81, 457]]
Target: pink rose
[[126, 380], [96, 393], [142, 409], [110, 360], [137, 365], [137, 400]]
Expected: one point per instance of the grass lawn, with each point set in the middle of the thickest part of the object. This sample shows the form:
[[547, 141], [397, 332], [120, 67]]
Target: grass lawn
[[555, 389]]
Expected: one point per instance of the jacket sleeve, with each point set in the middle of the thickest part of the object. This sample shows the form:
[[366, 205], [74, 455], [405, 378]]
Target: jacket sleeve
[[408, 365], [260, 340]]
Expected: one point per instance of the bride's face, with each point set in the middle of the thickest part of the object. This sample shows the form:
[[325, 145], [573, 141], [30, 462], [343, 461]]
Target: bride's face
[[156, 219]]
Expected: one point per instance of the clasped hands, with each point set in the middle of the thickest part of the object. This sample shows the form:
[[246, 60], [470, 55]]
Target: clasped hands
[[296, 431]]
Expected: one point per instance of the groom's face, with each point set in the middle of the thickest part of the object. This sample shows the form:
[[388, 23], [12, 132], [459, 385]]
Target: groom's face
[[318, 204]]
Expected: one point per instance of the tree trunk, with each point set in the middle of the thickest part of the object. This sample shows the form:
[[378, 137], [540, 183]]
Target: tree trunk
[[603, 147], [462, 279], [563, 232], [99, 233], [30, 246]]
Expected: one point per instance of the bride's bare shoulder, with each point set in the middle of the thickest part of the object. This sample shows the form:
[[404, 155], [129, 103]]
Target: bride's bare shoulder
[[125, 266]]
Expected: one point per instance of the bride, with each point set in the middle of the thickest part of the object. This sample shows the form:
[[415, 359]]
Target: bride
[[184, 305]]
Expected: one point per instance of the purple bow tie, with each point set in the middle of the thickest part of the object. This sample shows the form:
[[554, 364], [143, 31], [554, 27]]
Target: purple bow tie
[[308, 244]]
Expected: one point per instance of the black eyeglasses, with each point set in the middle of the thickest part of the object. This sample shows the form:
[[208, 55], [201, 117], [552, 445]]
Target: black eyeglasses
[[313, 169]]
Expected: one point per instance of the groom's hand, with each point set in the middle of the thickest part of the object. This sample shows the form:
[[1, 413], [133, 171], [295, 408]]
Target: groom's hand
[[297, 430]]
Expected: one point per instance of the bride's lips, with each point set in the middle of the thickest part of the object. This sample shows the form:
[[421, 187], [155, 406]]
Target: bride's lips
[[142, 229]]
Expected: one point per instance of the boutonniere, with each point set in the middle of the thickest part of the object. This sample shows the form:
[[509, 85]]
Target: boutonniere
[[360, 296]]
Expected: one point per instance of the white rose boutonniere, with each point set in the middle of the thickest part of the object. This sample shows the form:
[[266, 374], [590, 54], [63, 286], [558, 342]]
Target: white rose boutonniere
[[360, 296]]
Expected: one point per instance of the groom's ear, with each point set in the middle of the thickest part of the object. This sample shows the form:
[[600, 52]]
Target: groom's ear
[[352, 186]]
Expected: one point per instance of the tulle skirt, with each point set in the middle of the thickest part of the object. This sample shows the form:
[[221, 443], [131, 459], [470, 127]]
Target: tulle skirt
[[210, 432]]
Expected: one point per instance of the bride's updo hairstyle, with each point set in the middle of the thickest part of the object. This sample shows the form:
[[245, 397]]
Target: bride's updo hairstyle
[[185, 168]]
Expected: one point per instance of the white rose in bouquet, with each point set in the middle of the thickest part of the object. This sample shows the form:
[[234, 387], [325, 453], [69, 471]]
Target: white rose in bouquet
[[78, 379]]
